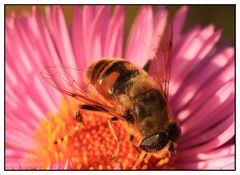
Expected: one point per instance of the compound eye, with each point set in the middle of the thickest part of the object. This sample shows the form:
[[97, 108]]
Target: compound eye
[[174, 131], [155, 142]]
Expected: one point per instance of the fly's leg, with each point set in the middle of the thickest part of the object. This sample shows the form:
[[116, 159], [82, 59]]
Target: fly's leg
[[140, 154], [131, 138], [78, 117], [113, 132], [138, 160]]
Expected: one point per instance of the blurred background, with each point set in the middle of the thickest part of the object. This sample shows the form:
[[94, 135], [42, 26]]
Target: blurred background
[[223, 16]]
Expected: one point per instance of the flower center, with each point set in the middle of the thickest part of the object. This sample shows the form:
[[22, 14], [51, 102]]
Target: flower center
[[90, 147]]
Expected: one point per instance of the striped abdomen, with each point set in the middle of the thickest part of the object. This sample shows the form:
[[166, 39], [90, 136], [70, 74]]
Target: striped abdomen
[[113, 76]]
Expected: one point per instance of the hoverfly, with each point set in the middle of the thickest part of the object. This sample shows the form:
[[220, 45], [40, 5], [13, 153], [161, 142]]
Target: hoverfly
[[128, 94]]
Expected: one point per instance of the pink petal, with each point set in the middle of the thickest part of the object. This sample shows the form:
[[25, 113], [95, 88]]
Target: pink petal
[[60, 35], [175, 83], [192, 55], [68, 165], [208, 134], [139, 40], [77, 37], [88, 16], [218, 141], [205, 75], [213, 154], [20, 73], [178, 22], [223, 96], [159, 26], [113, 45], [213, 164], [43, 41], [97, 32], [29, 98]]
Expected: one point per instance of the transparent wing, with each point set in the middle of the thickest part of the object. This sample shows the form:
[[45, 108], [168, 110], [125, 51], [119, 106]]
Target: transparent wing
[[70, 81], [160, 65]]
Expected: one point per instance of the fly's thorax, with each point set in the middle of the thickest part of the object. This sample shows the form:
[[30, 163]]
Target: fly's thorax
[[150, 112]]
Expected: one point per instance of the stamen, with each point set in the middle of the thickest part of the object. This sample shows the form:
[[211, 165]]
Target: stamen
[[84, 146]]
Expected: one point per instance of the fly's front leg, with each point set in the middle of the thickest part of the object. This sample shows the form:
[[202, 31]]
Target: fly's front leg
[[113, 132], [78, 117], [131, 138]]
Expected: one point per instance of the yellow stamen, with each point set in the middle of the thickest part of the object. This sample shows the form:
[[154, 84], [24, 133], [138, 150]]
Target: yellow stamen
[[87, 146]]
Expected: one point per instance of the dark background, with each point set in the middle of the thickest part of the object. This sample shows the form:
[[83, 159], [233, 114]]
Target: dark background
[[223, 16]]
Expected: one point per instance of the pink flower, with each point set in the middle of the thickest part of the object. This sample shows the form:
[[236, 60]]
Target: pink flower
[[201, 89]]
